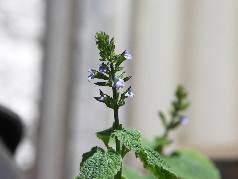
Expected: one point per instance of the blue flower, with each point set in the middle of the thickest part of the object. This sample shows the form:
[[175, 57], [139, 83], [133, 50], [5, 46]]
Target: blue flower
[[90, 75], [184, 120], [101, 99], [103, 68], [118, 83], [127, 55], [129, 93]]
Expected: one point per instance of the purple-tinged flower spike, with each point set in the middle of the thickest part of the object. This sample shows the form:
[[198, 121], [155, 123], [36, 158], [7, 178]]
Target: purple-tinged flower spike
[[184, 120], [119, 83], [103, 68], [127, 55], [90, 75], [129, 93]]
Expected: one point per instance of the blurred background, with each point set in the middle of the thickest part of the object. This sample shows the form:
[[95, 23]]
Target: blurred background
[[46, 48]]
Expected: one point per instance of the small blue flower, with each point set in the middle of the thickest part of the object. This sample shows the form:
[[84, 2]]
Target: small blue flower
[[101, 99], [127, 55], [119, 83], [90, 75], [103, 68], [184, 120], [129, 93]]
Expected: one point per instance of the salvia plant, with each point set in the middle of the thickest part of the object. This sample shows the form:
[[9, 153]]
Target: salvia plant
[[174, 119], [186, 163], [104, 163]]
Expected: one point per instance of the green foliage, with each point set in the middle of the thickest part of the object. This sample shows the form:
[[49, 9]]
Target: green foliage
[[105, 46], [129, 138], [179, 104], [131, 174], [89, 154], [175, 119], [105, 135], [103, 164], [189, 164], [100, 165], [153, 161]]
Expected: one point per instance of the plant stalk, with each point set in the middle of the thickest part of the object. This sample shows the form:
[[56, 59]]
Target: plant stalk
[[117, 126]]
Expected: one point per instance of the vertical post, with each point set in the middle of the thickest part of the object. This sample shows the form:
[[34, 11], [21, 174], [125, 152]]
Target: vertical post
[[56, 89]]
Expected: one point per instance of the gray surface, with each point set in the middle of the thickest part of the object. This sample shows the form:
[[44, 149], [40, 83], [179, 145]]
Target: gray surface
[[8, 169]]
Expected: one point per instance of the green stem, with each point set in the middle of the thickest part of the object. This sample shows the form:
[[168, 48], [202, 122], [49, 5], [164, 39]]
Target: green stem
[[117, 126], [116, 118], [166, 133]]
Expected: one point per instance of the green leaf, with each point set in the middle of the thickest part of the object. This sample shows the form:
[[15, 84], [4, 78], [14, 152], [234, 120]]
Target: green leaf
[[189, 164], [101, 76], [174, 124], [105, 46], [123, 97], [120, 59], [105, 135], [184, 106], [163, 118], [89, 154], [130, 138], [127, 78], [181, 92], [162, 141], [131, 174], [121, 102], [102, 83], [122, 75], [153, 161], [108, 101], [101, 165]]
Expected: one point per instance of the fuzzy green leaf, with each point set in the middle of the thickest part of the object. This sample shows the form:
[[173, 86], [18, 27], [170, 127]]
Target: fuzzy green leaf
[[89, 154], [153, 161], [101, 165], [190, 164], [130, 138]]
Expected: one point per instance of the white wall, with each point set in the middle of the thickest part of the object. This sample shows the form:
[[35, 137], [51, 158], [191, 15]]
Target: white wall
[[194, 43]]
